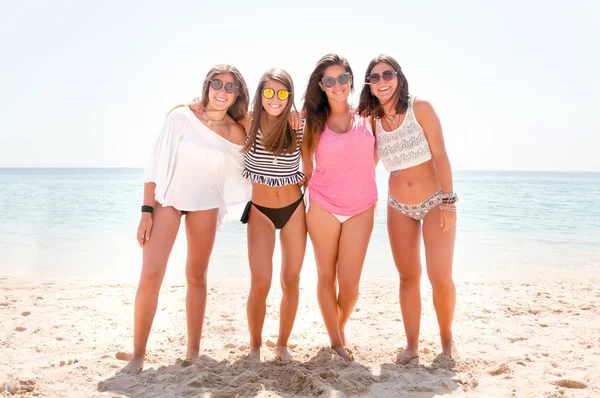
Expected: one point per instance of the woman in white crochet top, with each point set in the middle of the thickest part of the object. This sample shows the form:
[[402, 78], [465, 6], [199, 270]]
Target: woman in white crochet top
[[420, 201]]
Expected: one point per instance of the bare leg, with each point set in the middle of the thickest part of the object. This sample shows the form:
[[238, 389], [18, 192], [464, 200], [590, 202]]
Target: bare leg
[[293, 247], [354, 241], [261, 244], [156, 253], [439, 251], [325, 232], [201, 228], [405, 236]]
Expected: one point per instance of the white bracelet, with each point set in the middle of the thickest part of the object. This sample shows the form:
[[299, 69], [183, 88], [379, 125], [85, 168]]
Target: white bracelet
[[448, 208]]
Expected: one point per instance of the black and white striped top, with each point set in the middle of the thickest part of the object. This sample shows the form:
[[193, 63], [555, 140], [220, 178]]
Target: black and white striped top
[[262, 167]]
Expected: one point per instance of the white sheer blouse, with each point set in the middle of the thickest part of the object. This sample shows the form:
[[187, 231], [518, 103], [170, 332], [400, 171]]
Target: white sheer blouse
[[194, 168]]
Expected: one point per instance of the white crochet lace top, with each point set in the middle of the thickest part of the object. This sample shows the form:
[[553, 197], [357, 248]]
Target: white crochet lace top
[[404, 147]]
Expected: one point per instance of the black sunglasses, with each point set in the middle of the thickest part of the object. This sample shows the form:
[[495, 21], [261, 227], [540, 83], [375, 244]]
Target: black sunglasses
[[230, 88], [342, 79], [386, 75]]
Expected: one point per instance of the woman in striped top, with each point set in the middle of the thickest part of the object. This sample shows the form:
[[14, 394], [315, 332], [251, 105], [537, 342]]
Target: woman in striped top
[[272, 157]]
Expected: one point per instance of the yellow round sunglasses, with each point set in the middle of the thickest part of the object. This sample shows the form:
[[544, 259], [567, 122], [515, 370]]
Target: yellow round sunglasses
[[269, 93]]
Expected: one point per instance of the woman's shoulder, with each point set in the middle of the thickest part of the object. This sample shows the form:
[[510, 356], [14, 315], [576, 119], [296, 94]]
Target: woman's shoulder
[[180, 113], [237, 133], [421, 106]]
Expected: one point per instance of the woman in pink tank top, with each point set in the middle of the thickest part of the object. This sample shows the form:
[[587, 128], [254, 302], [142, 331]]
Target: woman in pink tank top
[[341, 189]]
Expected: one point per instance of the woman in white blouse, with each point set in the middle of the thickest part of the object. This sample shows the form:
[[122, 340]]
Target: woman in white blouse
[[194, 170]]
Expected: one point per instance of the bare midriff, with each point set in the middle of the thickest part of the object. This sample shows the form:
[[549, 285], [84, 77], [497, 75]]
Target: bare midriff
[[275, 197], [413, 185]]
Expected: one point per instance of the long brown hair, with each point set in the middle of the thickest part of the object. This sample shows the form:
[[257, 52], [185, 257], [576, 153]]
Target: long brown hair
[[369, 105], [239, 109], [282, 138], [316, 107]]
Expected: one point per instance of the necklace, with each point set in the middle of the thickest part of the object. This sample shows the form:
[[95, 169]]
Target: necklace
[[216, 123], [389, 120]]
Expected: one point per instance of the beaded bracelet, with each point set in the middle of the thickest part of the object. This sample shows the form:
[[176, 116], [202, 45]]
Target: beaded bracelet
[[449, 198]]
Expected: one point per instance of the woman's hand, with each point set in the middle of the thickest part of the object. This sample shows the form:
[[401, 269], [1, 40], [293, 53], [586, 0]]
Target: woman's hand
[[307, 170], [144, 229], [447, 216], [196, 106], [295, 120]]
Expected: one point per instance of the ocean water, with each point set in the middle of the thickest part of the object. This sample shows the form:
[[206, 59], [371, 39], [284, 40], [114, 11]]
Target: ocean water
[[82, 223]]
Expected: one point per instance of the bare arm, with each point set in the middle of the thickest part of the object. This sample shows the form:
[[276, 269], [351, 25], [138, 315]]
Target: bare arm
[[307, 160], [149, 188], [430, 122], [145, 227], [432, 127], [370, 121]]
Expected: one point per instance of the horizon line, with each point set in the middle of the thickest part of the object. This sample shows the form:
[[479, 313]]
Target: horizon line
[[141, 168]]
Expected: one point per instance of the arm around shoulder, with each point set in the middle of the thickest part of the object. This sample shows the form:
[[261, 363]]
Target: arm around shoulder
[[307, 158]]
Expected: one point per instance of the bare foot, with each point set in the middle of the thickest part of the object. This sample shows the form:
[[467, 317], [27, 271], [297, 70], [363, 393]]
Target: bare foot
[[342, 353], [135, 366], [254, 354], [449, 349], [192, 355], [343, 336], [282, 353], [195, 357], [407, 355]]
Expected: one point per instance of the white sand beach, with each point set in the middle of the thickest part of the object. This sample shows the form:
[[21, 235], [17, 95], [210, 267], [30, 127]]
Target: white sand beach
[[518, 337]]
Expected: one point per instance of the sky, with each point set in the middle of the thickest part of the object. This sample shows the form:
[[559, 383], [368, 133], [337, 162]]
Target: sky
[[88, 84]]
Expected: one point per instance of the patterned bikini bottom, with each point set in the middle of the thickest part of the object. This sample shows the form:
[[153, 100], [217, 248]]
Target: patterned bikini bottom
[[419, 211]]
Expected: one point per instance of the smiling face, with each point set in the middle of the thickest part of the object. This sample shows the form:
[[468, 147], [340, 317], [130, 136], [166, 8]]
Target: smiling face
[[384, 90], [339, 92], [274, 106], [220, 99]]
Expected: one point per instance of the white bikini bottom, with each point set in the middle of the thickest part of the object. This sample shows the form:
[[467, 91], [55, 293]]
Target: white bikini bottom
[[341, 219]]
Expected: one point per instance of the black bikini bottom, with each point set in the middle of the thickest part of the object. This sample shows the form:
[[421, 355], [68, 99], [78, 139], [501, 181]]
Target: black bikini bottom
[[279, 216]]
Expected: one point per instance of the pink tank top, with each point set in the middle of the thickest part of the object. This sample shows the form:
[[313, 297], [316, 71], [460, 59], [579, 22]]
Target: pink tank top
[[343, 181]]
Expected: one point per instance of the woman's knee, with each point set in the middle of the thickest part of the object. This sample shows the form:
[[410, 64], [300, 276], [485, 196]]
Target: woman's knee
[[349, 289], [290, 282], [196, 277], [327, 279], [410, 275], [152, 275], [441, 283], [260, 287]]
